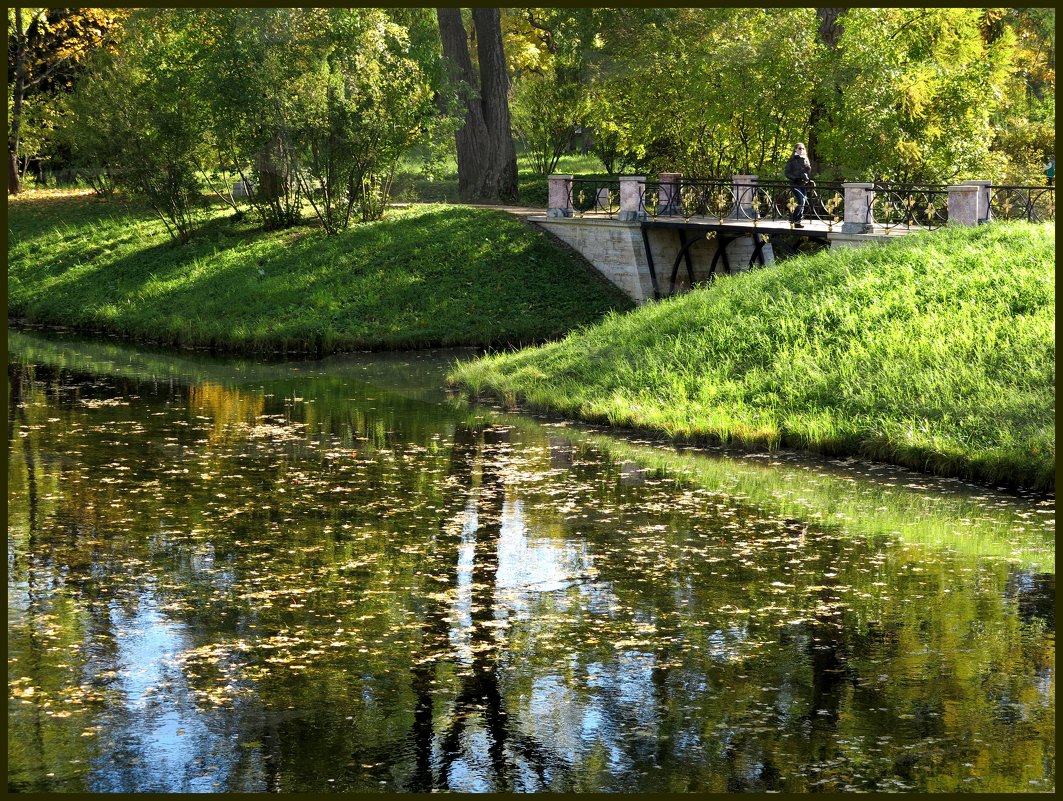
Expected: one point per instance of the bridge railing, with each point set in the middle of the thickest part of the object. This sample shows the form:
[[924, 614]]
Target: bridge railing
[[853, 207], [689, 198], [1030, 203], [775, 200], [908, 206], [595, 196]]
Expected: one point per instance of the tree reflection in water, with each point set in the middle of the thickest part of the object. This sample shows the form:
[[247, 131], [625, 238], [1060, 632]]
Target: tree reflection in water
[[479, 695]]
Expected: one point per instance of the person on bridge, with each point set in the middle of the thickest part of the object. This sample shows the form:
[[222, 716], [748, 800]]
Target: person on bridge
[[799, 173]]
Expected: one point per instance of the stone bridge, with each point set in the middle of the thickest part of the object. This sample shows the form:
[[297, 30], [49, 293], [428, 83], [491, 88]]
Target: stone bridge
[[654, 238]]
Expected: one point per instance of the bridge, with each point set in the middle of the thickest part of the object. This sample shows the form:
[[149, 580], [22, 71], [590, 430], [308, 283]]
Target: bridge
[[653, 238]]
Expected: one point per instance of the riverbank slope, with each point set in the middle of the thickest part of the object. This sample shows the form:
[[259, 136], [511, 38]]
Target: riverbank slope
[[425, 276], [934, 352]]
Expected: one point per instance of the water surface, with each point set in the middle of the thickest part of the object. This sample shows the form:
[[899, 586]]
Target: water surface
[[236, 576]]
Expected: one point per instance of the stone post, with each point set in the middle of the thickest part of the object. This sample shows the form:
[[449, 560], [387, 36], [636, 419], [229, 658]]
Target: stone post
[[963, 204], [858, 199], [744, 192], [668, 198], [985, 213], [632, 192], [560, 194]]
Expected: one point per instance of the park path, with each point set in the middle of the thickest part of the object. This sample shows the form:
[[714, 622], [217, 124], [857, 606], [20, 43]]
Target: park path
[[519, 211]]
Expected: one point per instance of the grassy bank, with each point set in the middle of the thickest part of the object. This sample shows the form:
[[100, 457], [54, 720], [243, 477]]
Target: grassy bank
[[934, 352], [424, 276]]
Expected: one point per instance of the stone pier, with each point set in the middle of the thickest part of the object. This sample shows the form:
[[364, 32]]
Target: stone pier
[[617, 250]]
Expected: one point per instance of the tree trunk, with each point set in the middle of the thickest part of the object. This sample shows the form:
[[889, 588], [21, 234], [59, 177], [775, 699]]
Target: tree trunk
[[472, 138], [487, 160], [829, 33], [501, 177]]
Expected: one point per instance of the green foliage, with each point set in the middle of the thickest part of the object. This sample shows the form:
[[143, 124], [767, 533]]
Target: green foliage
[[423, 277], [546, 112], [137, 116], [48, 51], [908, 95], [923, 83], [936, 352], [299, 104], [701, 91], [364, 107]]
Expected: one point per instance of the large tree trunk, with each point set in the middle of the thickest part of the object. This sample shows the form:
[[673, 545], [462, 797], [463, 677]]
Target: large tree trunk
[[472, 138], [829, 33], [501, 173], [487, 160]]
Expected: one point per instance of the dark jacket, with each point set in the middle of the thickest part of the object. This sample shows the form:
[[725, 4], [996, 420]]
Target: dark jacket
[[798, 169]]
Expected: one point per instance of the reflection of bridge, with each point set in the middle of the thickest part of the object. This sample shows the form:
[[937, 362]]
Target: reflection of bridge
[[641, 234]]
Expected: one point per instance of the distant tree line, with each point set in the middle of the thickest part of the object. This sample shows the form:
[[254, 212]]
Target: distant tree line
[[313, 108]]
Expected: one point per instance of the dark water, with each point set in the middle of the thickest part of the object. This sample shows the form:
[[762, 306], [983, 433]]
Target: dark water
[[229, 576]]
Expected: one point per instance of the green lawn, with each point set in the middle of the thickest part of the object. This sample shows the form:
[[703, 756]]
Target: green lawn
[[424, 276], [936, 351]]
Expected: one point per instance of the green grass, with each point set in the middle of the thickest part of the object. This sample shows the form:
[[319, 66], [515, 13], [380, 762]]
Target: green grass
[[934, 352], [425, 276]]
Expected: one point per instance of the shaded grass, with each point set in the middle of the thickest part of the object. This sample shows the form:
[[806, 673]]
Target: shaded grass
[[935, 352], [425, 276]]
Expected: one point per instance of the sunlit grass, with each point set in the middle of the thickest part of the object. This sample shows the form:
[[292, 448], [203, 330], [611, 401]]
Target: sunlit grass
[[935, 352], [424, 276]]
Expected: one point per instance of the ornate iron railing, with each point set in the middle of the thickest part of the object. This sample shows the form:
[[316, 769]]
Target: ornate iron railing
[[909, 206], [725, 200], [689, 198], [893, 206], [1030, 203], [591, 196], [776, 200]]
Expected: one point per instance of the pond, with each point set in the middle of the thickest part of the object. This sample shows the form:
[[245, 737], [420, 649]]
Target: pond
[[230, 575]]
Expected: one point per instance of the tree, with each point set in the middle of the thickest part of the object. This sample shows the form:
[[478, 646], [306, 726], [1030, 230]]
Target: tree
[[45, 50], [140, 117], [365, 106], [920, 89], [828, 32], [252, 64], [706, 92], [487, 157], [546, 112], [1024, 122]]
